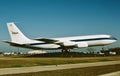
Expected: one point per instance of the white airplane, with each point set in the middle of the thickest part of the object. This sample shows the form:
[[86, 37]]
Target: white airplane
[[18, 39]]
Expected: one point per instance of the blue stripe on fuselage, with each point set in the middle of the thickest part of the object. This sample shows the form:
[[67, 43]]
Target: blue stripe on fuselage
[[112, 38]]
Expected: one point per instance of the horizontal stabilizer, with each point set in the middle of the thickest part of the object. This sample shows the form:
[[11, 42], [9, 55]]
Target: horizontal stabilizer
[[12, 43]]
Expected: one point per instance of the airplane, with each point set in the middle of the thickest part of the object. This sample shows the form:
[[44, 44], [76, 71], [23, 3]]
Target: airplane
[[18, 39]]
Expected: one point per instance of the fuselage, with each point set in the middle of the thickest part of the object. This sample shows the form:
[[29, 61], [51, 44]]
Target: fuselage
[[91, 40]]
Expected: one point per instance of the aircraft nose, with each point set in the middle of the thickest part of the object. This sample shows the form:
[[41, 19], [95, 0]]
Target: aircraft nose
[[114, 39]]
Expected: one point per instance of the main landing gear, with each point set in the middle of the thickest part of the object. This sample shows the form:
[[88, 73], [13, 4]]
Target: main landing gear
[[65, 50]]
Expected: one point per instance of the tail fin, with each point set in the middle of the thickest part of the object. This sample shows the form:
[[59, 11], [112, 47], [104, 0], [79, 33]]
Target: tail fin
[[16, 35]]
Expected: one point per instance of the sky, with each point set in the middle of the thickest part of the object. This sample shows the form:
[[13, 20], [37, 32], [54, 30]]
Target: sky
[[60, 18]]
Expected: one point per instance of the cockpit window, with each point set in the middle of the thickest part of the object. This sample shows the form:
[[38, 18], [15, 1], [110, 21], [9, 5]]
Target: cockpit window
[[113, 38]]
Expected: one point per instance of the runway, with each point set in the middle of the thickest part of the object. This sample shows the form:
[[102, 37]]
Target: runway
[[112, 74], [4, 71]]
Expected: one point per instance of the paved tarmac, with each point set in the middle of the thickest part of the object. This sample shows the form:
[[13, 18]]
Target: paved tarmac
[[112, 74], [4, 71]]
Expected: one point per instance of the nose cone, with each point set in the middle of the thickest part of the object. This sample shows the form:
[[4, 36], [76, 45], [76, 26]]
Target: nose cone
[[113, 39]]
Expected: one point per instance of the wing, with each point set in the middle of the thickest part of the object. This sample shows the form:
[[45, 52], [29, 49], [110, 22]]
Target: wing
[[47, 40]]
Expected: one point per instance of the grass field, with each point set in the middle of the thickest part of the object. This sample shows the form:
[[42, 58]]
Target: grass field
[[89, 71], [8, 62]]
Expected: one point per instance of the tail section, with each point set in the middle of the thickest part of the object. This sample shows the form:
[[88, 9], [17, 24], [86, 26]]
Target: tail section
[[16, 35]]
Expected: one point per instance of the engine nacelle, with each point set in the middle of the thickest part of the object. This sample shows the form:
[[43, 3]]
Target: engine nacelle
[[82, 44], [78, 44], [68, 43]]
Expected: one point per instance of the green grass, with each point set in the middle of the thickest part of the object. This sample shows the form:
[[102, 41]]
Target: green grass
[[8, 62], [89, 71]]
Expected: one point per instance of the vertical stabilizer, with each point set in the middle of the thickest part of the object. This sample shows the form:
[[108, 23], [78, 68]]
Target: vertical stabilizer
[[16, 35]]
